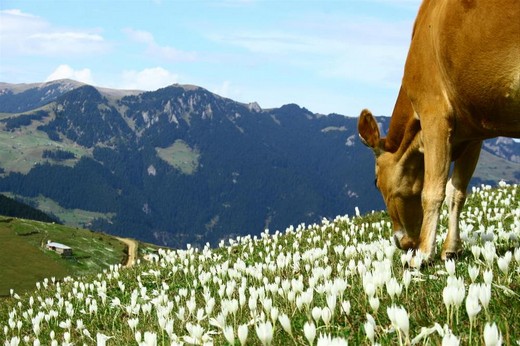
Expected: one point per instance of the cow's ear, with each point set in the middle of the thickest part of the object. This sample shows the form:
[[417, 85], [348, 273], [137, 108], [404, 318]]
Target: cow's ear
[[368, 130]]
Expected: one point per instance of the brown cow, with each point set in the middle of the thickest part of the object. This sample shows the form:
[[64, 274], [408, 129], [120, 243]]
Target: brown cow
[[461, 85]]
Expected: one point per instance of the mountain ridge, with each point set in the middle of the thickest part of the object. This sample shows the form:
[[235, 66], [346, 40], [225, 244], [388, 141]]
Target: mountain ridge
[[182, 164]]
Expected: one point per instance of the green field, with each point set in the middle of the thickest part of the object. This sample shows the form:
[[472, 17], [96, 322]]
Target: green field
[[72, 217], [22, 148], [338, 282], [181, 156], [24, 261]]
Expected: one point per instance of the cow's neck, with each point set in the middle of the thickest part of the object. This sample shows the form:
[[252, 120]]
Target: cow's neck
[[402, 122]]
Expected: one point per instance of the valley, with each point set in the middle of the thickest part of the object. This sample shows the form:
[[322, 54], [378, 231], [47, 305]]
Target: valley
[[181, 165]]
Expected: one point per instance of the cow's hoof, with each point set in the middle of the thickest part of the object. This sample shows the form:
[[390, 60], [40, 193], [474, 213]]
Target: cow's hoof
[[447, 255], [403, 241], [398, 235]]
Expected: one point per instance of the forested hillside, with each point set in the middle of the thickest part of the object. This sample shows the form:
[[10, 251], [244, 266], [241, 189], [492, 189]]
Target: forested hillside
[[183, 165]]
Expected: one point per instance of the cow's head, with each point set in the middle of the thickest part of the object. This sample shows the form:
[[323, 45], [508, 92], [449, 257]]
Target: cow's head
[[399, 176]]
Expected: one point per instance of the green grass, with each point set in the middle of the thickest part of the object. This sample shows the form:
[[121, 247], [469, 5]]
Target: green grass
[[266, 276], [181, 156], [72, 217], [24, 261], [22, 148]]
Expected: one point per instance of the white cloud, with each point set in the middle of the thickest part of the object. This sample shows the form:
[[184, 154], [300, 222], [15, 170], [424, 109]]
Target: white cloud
[[25, 34], [67, 72], [157, 51], [148, 79], [362, 50]]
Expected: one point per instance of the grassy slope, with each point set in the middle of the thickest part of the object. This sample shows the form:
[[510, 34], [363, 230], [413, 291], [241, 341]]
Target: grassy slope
[[180, 156], [275, 271], [71, 217], [23, 147], [24, 261]]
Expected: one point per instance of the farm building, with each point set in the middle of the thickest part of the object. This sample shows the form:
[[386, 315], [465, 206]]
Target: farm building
[[62, 249]]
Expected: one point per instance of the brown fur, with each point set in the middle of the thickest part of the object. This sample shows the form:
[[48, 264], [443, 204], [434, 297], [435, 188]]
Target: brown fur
[[461, 85]]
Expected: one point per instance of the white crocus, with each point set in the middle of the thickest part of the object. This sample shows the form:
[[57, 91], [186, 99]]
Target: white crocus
[[492, 336], [345, 305], [399, 318], [101, 339], [327, 340], [472, 308], [450, 340], [374, 303], [369, 331], [316, 313], [473, 272], [326, 316], [264, 331], [286, 323], [450, 267], [242, 333], [229, 334], [309, 329], [488, 276]]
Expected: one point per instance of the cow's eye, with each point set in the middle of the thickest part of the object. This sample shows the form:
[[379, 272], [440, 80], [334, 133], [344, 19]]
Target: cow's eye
[[375, 182]]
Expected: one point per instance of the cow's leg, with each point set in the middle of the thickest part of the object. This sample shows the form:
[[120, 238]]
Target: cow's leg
[[456, 196], [436, 170]]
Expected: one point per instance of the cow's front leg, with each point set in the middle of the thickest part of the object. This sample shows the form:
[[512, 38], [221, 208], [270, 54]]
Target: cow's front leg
[[456, 196], [436, 170]]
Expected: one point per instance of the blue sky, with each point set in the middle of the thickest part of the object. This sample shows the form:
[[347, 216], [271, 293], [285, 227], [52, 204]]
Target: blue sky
[[328, 56]]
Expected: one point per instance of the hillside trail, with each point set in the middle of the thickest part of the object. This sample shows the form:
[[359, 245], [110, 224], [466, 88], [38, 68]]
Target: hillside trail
[[132, 251]]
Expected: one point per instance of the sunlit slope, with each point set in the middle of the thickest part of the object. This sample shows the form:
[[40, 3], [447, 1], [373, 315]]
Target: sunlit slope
[[338, 281], [24, 260]]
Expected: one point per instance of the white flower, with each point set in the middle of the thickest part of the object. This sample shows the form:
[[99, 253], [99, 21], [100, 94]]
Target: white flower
[[316, 313], [150, 339], [492, 336], [242, 334], [484, 295], [86, 333], [374, 303], [369, 331], [450, 340], [345, 305], [286, 323], [327, 340], [503, 262], [264, 331], [132, 322], [472, 307], [15, 341], [399, 318], [488, 276], [326, 316], [229, 334], [393, 288], [309, 329], [450, 267], [67, 324], [476, 251], [473, 272], [101, 339]]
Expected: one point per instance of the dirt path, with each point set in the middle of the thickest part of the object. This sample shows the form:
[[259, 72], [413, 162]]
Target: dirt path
[[132, 251]]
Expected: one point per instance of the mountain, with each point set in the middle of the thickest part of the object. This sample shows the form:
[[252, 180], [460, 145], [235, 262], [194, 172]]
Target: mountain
[[183, 165]]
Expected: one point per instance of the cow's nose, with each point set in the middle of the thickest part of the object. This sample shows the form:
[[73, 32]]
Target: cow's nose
[[398, 236]]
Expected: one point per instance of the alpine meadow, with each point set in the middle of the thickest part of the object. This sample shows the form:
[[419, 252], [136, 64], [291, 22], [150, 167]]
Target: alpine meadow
[[139, 209], [337, 282]]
